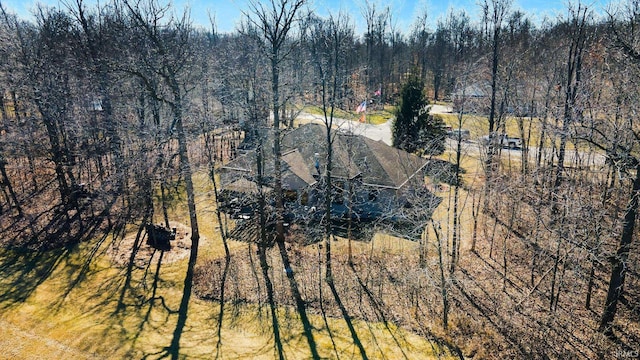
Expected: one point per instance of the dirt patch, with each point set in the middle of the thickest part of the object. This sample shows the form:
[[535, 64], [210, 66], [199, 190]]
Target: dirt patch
[[120, 252]]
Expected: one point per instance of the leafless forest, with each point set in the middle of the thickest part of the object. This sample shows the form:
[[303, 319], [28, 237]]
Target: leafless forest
[[113, 116]]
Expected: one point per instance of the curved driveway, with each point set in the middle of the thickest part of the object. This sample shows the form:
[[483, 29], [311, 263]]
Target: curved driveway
[[376, 132]]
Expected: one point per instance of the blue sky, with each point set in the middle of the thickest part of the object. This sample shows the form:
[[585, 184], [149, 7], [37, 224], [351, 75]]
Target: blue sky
[[228, 12]]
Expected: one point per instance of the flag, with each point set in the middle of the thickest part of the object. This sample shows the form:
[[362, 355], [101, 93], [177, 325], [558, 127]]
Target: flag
[[362, 107], [378, 92]]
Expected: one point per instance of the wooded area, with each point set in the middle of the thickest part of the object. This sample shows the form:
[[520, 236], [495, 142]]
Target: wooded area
[[113, 116]]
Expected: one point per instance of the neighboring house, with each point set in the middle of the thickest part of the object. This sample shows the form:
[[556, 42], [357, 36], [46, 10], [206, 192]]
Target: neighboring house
[[373, 184], [473, 98]]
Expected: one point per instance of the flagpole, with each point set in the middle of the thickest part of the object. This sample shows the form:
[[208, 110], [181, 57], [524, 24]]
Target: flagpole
[[364, 114], [362, 108]]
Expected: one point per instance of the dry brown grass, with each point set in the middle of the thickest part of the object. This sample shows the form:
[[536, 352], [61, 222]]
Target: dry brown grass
[[503, 291], [84, 323], [65, 302]]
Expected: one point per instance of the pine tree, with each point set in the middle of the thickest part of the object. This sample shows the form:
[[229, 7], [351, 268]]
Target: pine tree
[[414, 130]]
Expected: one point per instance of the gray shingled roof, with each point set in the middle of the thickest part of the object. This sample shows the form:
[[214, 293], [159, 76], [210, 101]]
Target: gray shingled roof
[[398, 165], [376, 163], [296, 173]]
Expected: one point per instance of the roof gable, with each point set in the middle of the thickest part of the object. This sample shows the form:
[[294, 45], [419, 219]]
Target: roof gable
[[296, 174], [375, 162], [398, 165]]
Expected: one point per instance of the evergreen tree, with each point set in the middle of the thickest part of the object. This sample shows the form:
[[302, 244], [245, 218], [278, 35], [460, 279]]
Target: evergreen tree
[[414, 130]]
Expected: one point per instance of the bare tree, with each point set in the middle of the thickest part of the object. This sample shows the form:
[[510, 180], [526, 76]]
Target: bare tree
[[419, 41], [494, 13], [329, 41], [376, 45], [578, 23], [173, 63], [275, 22], [626, 35]]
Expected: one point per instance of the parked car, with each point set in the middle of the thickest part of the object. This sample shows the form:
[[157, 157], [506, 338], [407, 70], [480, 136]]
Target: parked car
[[462, 134], [503, 140]]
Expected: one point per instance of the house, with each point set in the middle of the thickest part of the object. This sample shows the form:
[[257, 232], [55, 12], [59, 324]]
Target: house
[[472, 98], [372, 183]]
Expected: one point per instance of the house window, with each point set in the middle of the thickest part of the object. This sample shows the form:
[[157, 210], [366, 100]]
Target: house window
[[290, 196]]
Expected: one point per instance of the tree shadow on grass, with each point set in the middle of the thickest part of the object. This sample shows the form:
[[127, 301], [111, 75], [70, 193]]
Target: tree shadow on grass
[[130, 267], [347, 319], [264, 266], [80, 272], [300, 303], [131, 309], [151, 300], [39, 243], [223, 282], [23, 271], [27, 263], [379, 308]]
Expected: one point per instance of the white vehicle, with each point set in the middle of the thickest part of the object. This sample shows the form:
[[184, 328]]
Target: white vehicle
[[503, 140]]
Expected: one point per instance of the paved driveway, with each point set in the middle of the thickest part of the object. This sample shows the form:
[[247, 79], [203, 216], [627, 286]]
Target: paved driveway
[[375, 132]]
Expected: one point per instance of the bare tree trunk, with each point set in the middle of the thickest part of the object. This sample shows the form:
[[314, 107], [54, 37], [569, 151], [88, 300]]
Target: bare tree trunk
[[58, 158], [475, 212], [592, 273], [6, 182], [185, 168], [275, 22], [619, 261], [499, 9], [165, 212], [556, 265], [444, 286], [455, 242]]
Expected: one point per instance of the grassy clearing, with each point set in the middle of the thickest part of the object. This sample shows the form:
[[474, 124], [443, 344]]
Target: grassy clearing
[[339, 113], [478, 125], [64, 303]]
